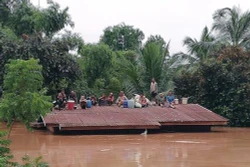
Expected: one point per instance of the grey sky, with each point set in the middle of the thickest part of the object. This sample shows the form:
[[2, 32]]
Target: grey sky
[[172, 19]]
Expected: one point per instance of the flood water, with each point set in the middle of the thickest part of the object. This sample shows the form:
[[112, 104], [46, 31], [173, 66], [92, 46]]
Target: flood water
[[223, 147]]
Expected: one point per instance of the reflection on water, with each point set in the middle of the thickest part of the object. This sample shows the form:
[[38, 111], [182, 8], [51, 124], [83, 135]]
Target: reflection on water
[[224, 147]]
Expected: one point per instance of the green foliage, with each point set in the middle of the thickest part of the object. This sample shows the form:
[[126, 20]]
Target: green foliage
[[200, 48], [7, 33], [222, 86], [198, 51], [97, 64], [36, 162], [23, 18], [114, 85], [69, 41], [23, 97], [57, 63], [131, 76], [130, 55], [5, 154], [157, 39], [153, 58], [53, 19], [232, 26], [23, 36], [122, 37], [188, 85], [4, 11]]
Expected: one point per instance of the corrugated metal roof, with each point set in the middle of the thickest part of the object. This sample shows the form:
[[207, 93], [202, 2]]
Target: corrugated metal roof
[[113, 116]]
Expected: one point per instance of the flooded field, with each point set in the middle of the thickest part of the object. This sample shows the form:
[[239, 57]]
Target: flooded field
[[223, 147]]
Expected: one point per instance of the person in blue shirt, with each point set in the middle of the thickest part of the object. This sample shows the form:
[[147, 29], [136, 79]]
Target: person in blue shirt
[[170, 99]]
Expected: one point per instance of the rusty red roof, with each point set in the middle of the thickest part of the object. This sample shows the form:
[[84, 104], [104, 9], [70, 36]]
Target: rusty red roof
[[113, 116]]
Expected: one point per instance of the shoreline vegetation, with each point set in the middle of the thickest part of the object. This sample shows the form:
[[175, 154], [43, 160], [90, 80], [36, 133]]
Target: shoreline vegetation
[[214, 72]]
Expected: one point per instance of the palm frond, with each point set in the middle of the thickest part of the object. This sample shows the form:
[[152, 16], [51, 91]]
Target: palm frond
[[232, 26]]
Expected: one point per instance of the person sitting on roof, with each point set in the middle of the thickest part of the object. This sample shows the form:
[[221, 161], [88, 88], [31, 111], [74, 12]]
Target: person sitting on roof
[[121, 99], [61, 100], [93, 100], [102, 101], [72, 96], [83, 102], [143, 101], [160, 99], [136, 98], [110, 99], [170, 99]]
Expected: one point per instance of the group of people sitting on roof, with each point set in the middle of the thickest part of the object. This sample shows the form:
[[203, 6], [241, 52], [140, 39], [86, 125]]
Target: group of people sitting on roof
[[161, 99], [138, 100], [84, 102]]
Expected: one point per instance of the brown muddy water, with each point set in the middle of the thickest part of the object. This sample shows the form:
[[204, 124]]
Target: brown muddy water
[[223, 147]]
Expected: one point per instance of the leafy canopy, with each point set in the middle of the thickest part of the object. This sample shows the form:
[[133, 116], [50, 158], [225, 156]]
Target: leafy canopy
[[122, 37], [23, 97]]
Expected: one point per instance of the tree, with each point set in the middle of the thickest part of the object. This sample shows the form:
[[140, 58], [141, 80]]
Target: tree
[[4, 11], [158, 39], [122, 37], [5, 154], [130, 55], [131, 75], [97, 65], [53, 19], [221, 85], [28, 32], [58, 64], [30, 162], [232, 27], [197, 50], [24, 18], [153, 57], [23, 97], [200, 49], [68, 42]]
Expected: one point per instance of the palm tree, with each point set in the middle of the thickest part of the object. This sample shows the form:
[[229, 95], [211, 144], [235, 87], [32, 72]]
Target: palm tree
[[232, 27], [136, 76], [197, 51], [153, 59], [200, 49], [131, 77]]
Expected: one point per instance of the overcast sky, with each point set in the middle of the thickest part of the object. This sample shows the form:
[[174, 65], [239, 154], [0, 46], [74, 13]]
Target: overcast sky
[[172, 19]]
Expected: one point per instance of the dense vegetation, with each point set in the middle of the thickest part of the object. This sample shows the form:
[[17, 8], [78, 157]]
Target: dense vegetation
[[120, 61], [214, 72]]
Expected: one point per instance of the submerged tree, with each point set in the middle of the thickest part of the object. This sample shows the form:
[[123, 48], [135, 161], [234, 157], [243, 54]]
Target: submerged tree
[[5, 154], [23, 97]]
